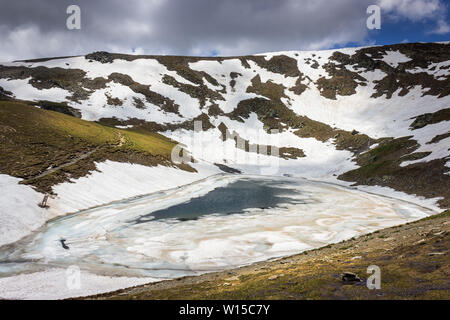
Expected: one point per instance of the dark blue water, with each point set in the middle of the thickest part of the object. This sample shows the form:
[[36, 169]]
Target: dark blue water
[[230, 199]]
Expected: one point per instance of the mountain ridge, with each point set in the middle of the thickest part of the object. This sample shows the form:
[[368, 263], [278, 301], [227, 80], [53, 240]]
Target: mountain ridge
[[373, 117]]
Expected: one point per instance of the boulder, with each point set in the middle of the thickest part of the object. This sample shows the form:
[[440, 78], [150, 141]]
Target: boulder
[[350, 277]]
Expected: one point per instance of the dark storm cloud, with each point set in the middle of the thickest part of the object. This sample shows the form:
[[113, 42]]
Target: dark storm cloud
[[230, 27], [261, 25]]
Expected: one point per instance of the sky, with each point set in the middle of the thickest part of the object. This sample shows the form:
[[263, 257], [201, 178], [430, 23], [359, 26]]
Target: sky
[[37, 28]]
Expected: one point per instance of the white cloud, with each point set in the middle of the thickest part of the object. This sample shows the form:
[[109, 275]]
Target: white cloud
[[442, 27], [418, 10], [413, 10]]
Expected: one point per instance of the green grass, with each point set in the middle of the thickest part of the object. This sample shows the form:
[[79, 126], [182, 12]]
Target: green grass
[[389, 149], [382, 166], [34, 140], [151, 142], [90, 131], [444, 214], [371, 169], [34, 120]]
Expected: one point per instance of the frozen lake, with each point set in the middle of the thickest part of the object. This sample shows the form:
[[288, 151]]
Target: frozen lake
[[221, 222]]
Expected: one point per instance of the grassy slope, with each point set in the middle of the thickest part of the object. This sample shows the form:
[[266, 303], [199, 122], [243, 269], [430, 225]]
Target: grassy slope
[[33, 140], [381, 166], [413, 259]]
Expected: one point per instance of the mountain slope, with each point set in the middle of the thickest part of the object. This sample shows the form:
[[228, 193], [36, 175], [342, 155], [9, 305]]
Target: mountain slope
[[46, 140], [374, 117]]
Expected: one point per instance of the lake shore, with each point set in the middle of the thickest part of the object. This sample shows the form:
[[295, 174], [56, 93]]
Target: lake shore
[[413, 259]]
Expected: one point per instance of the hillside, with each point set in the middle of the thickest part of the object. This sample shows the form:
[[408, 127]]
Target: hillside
[[34, 149], [330, 107], [368, 125]]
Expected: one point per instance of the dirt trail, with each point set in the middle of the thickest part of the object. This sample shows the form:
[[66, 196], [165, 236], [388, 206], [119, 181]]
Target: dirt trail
[[71, 162], [82, 156], [122, 139]]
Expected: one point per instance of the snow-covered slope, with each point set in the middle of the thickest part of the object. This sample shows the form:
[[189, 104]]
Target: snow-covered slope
[[19, 211]]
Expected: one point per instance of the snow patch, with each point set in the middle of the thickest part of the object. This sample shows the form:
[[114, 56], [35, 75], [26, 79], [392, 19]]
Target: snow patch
[[394, 58], [19, 210], [115, 180]]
